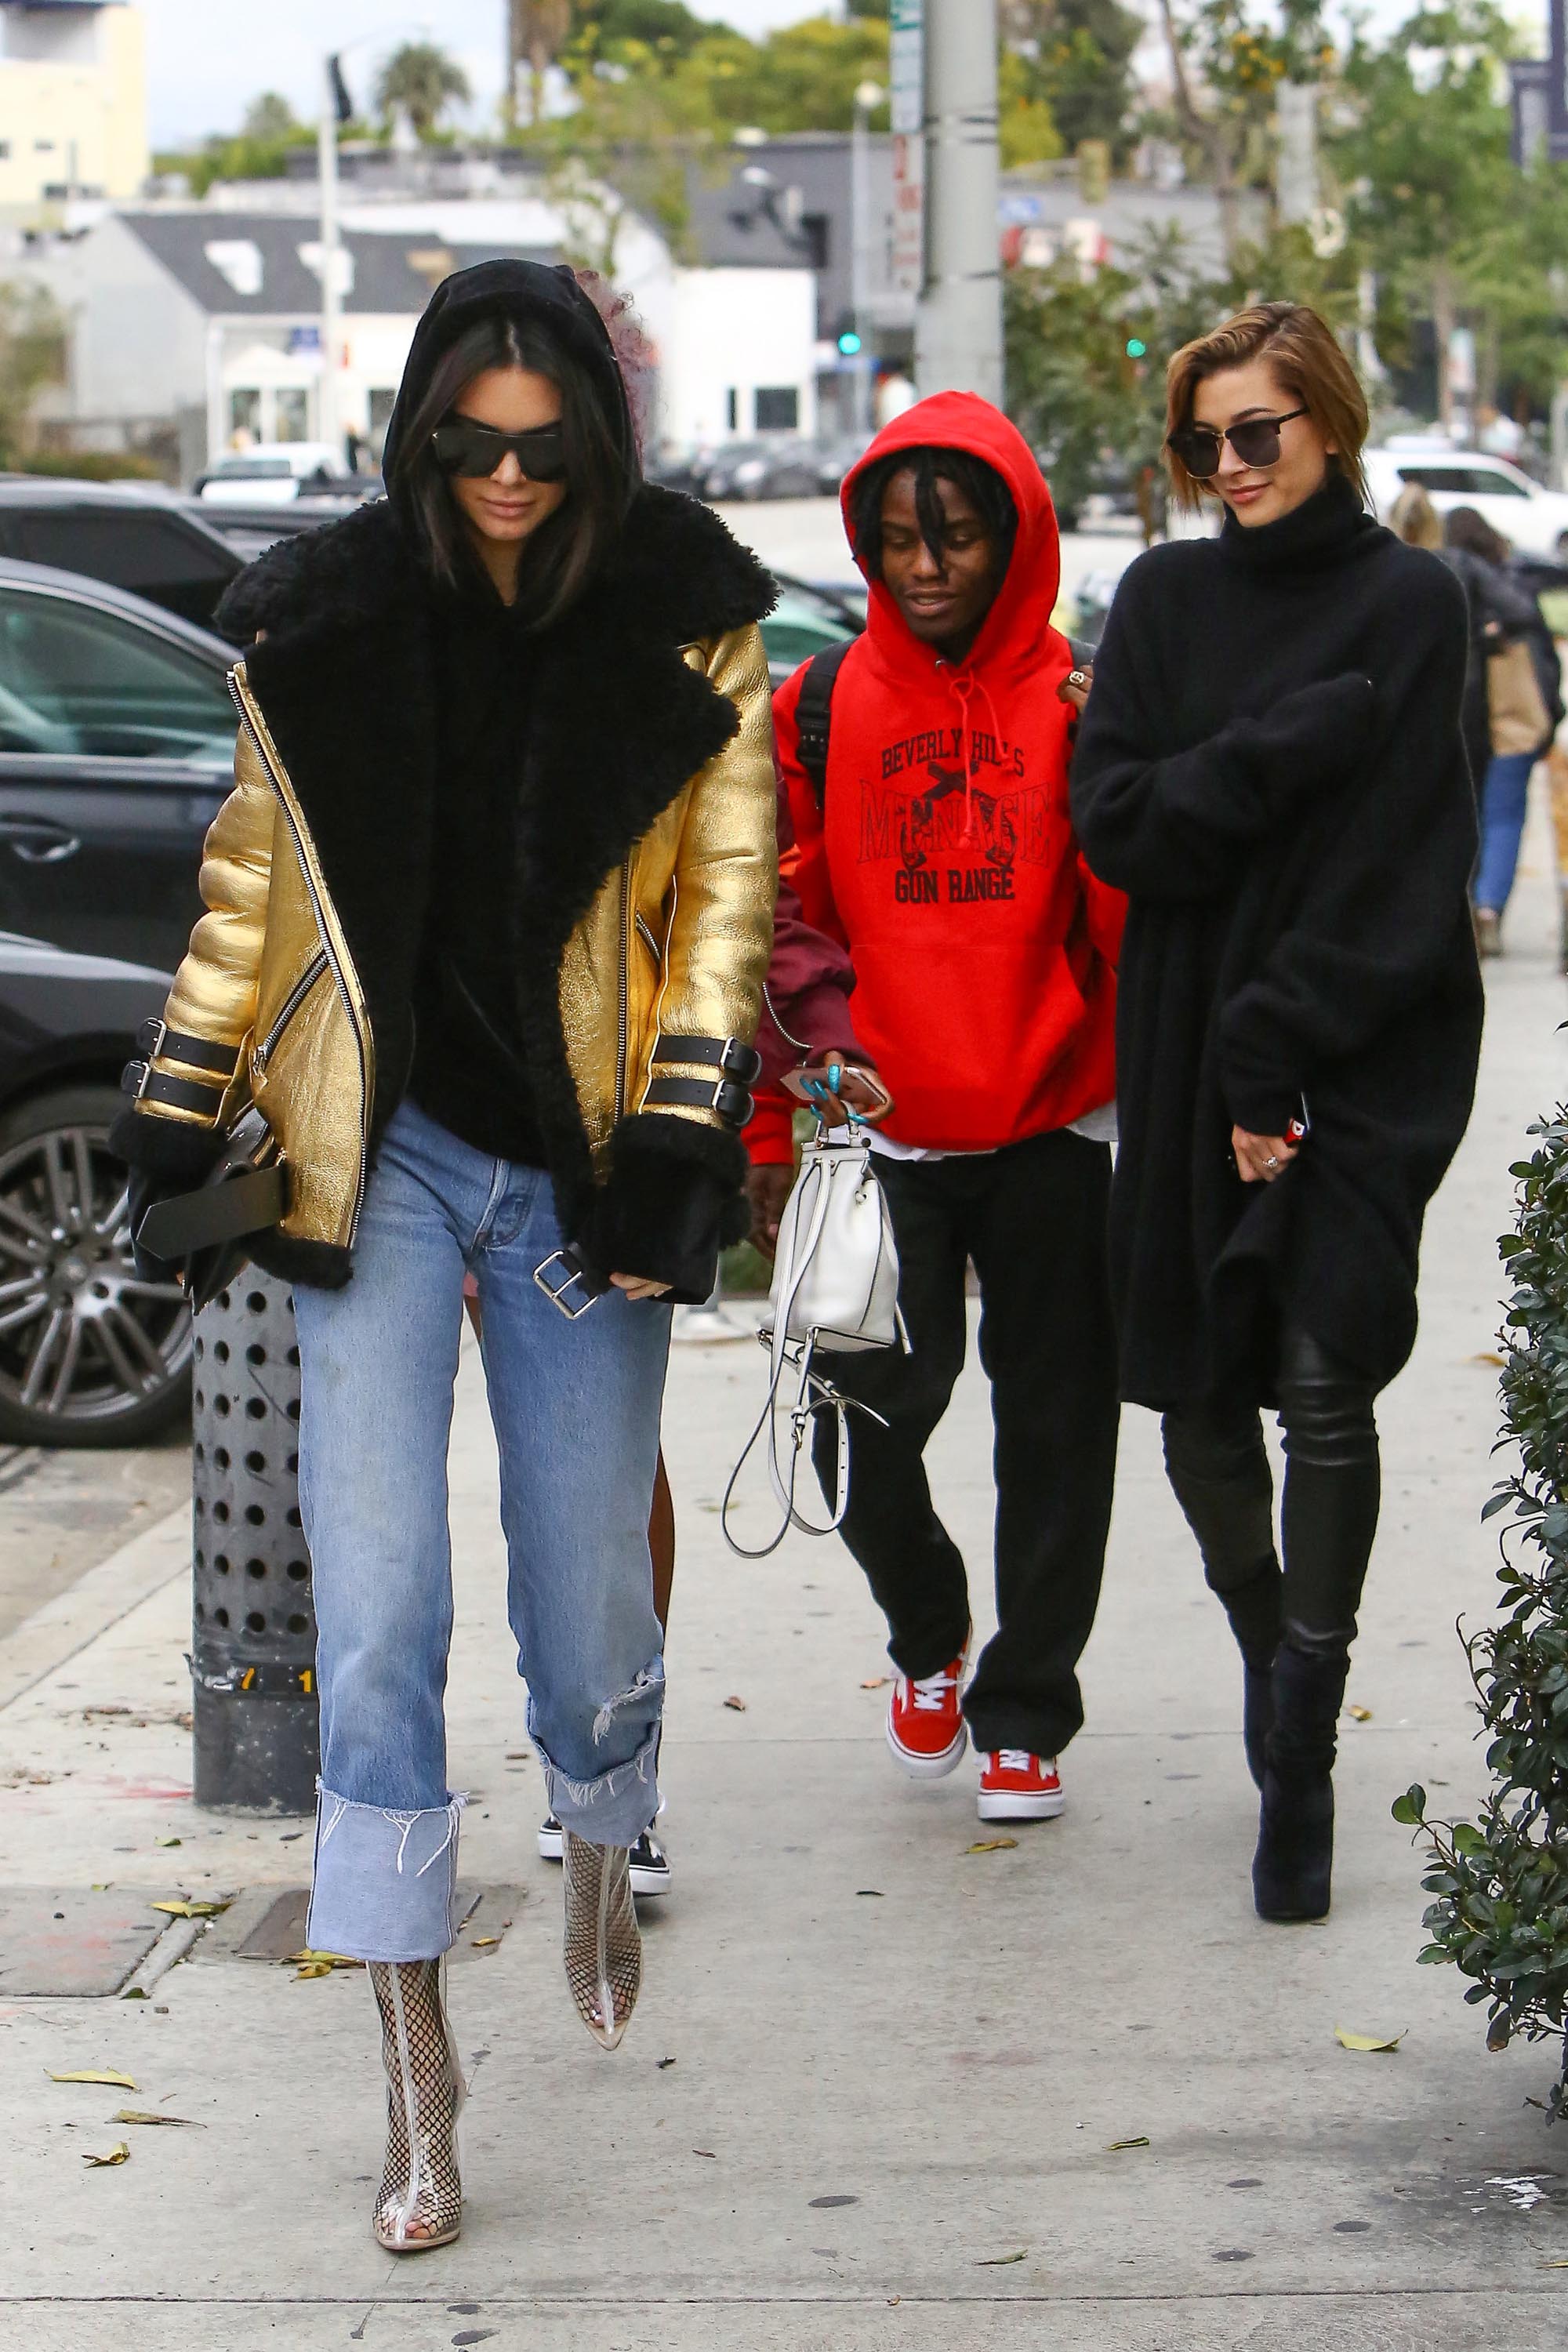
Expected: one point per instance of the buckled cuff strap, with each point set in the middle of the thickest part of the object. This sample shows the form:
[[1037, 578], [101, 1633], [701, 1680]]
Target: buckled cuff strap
[[157, 1040], [731, 1101], [204, 1096], [727, 1054]]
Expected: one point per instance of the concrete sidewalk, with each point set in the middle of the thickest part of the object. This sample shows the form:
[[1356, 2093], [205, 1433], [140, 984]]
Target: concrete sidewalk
[[899, 2066]]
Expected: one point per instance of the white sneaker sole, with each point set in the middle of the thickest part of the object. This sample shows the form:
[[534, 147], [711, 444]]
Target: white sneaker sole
[[644, 1882], [1003, 1805], [928, 1768]]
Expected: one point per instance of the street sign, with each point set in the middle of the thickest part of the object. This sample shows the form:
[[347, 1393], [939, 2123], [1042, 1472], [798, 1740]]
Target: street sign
[[907, 116]]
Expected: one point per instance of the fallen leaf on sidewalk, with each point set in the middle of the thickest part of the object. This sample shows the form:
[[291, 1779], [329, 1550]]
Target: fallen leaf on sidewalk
[[320, 1964], [707, 2151], [168, 1841], [738, 1704], [134, 1992], [1000, 2261], [877, 1681], [1359, 1714], [1348, 2041], [184, 1910], [517, 1755], [871, 1890], [1486, 1357], [96, 2075], [990, 1846], [146, 2115], [663, 2062], [1141, 2141], [481, 1943], [119, 2154]]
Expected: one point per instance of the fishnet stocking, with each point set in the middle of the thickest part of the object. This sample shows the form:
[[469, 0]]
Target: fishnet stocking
[[420, 2201], [602, 1948]]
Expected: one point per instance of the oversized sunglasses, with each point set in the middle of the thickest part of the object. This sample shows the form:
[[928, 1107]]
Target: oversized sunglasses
[[1256, 441], [463, 447]]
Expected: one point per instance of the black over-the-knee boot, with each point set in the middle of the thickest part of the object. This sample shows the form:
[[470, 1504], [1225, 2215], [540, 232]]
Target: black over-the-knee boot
[[1330, 1518], [1219, 1473], [1293, 1868]]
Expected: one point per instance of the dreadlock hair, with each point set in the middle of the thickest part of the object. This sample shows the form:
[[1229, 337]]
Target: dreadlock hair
[[981, 484]]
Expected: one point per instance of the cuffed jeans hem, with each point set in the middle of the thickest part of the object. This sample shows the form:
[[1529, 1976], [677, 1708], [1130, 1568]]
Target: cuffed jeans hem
[[1039, 1736], [917, 1660], [386, 1885], [613, 1809]]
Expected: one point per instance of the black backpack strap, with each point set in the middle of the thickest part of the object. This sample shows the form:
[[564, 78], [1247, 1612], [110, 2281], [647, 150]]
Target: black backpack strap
[[813, 715]]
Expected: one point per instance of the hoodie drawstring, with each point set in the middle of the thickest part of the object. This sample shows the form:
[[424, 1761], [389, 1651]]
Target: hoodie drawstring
[[961, 685]]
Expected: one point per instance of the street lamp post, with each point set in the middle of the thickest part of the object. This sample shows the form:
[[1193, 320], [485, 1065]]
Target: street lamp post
[[958, 328], [327, 420], [868, 96]]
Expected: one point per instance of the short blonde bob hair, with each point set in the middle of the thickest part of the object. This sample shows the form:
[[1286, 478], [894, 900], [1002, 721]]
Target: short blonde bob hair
[[1304, 353]]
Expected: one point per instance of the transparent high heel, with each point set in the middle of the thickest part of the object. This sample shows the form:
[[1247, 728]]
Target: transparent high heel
[[603, 1949], [420, 2201]]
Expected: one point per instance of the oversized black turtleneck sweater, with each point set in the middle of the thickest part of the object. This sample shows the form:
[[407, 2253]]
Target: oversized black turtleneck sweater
[[1270, 765]]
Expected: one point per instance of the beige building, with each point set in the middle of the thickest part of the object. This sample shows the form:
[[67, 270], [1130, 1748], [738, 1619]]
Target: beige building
[[73, 104]]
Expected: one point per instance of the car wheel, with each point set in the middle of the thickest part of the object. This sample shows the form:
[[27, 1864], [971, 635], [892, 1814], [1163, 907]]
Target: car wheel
[[90, 1354]]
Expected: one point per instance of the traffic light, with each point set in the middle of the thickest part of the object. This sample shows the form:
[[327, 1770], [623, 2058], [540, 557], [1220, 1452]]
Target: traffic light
[[849, 343], [1136, 347]]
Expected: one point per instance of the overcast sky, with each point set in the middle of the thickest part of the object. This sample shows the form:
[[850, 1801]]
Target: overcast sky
[[206, 59]]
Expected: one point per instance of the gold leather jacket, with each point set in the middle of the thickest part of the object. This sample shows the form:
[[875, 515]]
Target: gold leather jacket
[[270, 1003]]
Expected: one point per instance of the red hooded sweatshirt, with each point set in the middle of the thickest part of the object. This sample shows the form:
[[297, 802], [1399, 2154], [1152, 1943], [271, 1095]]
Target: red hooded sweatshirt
[[943, 857]]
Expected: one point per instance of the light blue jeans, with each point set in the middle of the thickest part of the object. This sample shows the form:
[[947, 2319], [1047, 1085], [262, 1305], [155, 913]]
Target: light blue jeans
[[1505, 800], [576, 1411]]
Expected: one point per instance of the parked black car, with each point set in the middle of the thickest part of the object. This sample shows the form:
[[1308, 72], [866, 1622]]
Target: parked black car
[[137, 536], [116, 747], [89, 1355]]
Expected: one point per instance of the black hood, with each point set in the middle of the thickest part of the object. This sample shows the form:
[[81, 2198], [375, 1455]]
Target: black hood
[[532, 291]]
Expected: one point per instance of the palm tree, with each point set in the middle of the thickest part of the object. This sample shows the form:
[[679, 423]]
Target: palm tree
[[537, 31], [424, 81]]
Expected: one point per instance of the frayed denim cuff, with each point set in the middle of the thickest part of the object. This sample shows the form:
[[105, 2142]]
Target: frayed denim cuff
[[385, 1884], [612, 1809]]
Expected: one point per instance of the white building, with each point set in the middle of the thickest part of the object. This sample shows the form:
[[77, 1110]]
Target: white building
[[73, 103], [207, 316]]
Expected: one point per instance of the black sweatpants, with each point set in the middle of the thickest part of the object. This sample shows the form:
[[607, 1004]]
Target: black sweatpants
[[1032, 1217]]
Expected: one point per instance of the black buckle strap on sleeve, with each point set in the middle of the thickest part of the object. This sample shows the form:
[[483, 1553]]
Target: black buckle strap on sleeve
[[725, 1096], [726, 1054], [203, 1096], [157, 1040]]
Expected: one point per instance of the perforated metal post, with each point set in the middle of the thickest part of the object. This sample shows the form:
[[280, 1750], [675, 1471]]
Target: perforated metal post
[[254, 1634]]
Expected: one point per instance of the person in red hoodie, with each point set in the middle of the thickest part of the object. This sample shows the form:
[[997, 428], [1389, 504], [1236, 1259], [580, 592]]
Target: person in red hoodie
[[941, 856]]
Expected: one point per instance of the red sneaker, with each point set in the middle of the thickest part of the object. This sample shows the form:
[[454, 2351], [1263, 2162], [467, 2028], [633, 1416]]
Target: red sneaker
[[926, 1730], [1017, 1787]]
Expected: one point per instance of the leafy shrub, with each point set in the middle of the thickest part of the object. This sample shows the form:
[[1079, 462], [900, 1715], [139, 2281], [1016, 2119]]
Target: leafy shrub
[[1500, 1913]]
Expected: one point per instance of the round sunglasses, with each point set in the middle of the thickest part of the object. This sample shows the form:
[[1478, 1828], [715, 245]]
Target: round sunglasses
[[1256, 441], [463, 447]]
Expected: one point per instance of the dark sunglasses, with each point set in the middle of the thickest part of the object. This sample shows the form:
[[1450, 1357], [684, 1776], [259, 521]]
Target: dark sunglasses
[[1256, 441], [462, 446]]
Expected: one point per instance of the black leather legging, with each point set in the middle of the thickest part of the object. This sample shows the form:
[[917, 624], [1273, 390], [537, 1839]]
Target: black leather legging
[[1218, 1467]]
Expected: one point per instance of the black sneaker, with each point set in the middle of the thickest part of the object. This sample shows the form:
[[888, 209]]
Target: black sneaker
[[650, 1864]]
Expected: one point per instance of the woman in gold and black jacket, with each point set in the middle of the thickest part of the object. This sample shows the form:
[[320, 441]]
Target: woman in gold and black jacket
[[487, 916]]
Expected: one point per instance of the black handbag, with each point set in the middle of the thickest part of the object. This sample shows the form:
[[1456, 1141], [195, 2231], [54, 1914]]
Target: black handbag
[[207, 1231]]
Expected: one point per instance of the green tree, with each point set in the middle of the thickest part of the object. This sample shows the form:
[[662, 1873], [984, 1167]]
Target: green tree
[[424, 80], [32, 356], [1075, 59], [268, 120]]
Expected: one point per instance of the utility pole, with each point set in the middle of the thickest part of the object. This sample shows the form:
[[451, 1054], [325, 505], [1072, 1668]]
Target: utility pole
[[867, 96], [958, 325], [327, 174]]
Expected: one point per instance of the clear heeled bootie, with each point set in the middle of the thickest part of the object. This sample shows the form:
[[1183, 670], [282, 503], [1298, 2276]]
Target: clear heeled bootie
[[420, 2200], [602, 1948]]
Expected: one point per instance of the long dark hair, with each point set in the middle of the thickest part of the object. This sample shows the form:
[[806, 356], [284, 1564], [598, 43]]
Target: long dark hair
[[981, 484], [571, 546], [1463, 527]]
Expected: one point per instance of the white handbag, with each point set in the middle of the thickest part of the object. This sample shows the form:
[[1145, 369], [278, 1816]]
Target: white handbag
[[835, 1291]]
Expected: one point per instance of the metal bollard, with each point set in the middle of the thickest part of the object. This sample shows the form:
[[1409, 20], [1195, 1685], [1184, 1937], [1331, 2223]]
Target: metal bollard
[[253, 1652]]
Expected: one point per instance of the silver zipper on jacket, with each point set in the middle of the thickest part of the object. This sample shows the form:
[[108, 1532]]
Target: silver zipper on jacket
[[323, 934], [291, 1004], [623, 1021]]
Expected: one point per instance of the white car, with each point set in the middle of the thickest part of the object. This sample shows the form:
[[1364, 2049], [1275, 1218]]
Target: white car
[[273, 473], [1534, 521]]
